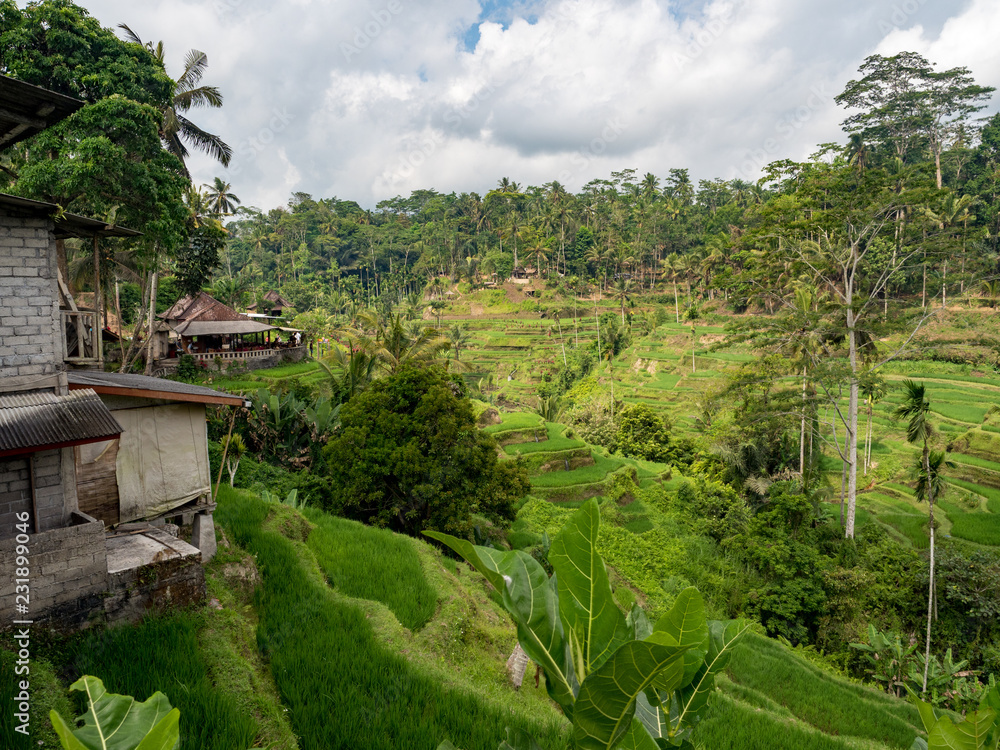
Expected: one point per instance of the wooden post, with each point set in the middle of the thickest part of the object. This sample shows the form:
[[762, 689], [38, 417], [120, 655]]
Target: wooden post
[[225, 451], [98, 305]]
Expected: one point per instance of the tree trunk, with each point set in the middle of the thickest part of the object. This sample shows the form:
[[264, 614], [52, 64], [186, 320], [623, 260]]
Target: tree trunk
[[930, 595], [802, 430], [677, 309], [923, 288], [868, 440], [151, 322], [944, 286], [852, 427]]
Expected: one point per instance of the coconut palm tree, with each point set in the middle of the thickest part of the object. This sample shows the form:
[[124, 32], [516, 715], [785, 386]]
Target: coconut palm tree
[[393, 345], [459, 339], [220, 197], [916, 410], [175, 128]]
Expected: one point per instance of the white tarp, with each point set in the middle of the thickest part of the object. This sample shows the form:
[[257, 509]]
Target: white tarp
[[162, 459]]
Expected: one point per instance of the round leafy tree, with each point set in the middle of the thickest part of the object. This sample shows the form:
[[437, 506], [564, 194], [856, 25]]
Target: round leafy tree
[[410, 457]]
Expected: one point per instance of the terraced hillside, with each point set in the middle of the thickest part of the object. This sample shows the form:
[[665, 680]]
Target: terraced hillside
[[441, 636]]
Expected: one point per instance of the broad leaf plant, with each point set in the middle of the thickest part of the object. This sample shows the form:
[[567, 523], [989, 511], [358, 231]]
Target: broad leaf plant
[[622, 681]]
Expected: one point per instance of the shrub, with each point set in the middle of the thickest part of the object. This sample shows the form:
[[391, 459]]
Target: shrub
[[409, 456]]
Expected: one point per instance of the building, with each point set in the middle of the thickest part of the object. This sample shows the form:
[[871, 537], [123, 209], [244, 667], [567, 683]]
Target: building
[[57, 437], [216, 336]]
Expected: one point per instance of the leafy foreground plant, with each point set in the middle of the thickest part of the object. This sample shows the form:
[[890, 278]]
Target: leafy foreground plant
[[621, 681], [119, 722], [980, 730]]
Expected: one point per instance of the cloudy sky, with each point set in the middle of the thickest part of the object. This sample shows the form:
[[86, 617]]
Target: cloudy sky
[[366, 100]]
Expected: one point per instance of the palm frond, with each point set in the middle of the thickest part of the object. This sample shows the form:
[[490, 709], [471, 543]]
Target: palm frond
[[195, 62], [211, 144], [196, 97]]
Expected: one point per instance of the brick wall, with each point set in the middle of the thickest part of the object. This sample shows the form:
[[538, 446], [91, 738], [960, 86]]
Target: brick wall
[[68, 574], [30, 330], [52, 502]]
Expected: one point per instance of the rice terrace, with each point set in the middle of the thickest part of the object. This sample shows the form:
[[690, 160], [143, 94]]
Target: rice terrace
[[700, 453]]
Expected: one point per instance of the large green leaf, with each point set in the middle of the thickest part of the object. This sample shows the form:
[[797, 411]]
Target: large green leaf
[[692, 698], [685, 623], [532, 600], [119, 722], [586, 603], [639, 623], [970, 734], [605, 705], [637, 738]]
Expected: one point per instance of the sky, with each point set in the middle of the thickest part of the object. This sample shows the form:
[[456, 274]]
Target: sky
[[368, 100]]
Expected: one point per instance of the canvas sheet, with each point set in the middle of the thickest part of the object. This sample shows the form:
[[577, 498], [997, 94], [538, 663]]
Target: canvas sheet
[[162, 459]]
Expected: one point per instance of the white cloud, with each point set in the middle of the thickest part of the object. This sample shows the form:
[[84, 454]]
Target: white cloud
[[367, 100]]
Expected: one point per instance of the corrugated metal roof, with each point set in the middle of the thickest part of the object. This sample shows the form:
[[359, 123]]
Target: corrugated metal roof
[[37, 420], [117, 381]]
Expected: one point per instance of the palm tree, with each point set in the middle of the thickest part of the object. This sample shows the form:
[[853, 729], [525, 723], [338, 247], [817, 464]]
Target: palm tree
[[355, 369], [459, 339], [175, 129], [671, 273], [916, 409], [394, 346], [691, 315], [221, 199], [622, 292]]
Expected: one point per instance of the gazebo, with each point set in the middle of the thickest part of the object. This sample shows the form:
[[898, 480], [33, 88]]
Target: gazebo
[[207, 329]]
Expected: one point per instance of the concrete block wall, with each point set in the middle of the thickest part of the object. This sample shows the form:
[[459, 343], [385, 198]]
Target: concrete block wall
[[15, 495], [50, 498], [175, 583], [30, 326], [68, 574]]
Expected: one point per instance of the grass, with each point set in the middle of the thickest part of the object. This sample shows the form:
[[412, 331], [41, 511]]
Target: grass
[[913, 527], [370, 563], [601, 467], [513, 421], [287, 371], [992, 495], [163, 654], [342, 687], [828, 704], [557, 441]]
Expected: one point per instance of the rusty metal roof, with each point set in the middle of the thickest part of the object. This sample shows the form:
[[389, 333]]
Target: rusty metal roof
[[143, 386], [26, 110], [41, 420]]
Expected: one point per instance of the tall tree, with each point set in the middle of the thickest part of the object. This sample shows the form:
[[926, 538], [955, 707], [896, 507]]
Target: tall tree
[[916, 410], [176, 129]]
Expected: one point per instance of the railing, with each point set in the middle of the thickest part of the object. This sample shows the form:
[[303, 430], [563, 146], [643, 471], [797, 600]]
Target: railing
[[246, 354], [82, 335], [249, 354]]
